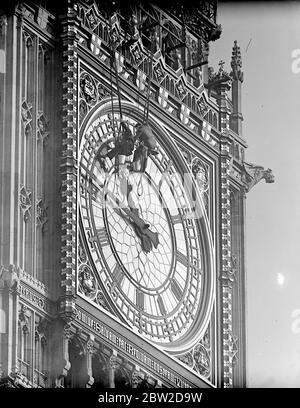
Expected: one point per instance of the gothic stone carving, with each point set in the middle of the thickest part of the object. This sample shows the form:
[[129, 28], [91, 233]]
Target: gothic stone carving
[[41, 213], [199, 357], [41, 331], [87, 282], [252, 174], [9, 277], [220, 77], [91, 92], [25, 203], [42, 127], [24, 319], [26, 115]]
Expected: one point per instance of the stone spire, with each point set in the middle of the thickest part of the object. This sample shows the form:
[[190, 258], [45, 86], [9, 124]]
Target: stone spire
[[237, 79], [236, 63]]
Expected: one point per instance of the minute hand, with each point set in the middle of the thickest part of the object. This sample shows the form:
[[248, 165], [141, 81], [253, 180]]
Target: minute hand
[[144, 228], [137, 222]]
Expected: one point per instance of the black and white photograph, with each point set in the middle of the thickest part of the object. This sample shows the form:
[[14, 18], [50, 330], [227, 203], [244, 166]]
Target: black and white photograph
[[149, 198]]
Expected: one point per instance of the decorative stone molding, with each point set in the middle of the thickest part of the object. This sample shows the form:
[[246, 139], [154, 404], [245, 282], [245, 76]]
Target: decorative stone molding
[[201, 173], [90, 349], [42, 127], [41, 213], [229, 276], [41, 331], [225, 241], [25, 203], [87, 281], [23, 319], [26, 115], [3, 24], [234, 349], [171, 82], [137, 52], [67, 331], [236, 63], [33, 282], [19, 380], [113, 362], [220, 77], [202, 360], [199, 357], [91, 92], [202, 105], [136, 379], [187, 359], [88, 285], [28, 39], [42, 17], [68, 165]]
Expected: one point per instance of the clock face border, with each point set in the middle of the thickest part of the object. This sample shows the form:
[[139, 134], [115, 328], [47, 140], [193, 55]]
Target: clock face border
[[205, 307]]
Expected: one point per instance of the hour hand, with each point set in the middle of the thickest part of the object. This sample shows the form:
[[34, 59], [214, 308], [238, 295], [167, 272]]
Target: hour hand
[[141, 227], [145, 231], [148, 238]]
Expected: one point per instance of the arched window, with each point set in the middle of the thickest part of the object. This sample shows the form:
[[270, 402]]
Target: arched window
[[215, 120], [77, 376], [237, 152], [122, 379], [99, 370]]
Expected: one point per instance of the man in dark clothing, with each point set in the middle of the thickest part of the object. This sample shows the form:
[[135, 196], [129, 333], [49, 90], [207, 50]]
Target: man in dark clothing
[[146, 145], [124, 144]]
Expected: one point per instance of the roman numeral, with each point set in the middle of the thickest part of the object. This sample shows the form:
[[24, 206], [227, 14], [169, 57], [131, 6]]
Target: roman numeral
[[101, 236], [140, 299], [91, 184], [182, 258], [197, 270], [176, 219], [161, 306], [118, 275], [176, 289], [89, 189]]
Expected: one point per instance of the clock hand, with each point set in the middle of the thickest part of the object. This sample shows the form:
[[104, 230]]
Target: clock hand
[[140, 223], [141, 228], [147, 237]]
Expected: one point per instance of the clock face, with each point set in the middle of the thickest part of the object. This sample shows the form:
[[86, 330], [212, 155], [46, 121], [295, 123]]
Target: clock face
[[144, 242]]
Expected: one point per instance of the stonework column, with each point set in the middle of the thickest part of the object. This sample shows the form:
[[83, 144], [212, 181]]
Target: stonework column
[[89, 355], [68, 166], [225, 242], [237, 80], [9, 280], [112, 366], [62, 333], [135, 377]]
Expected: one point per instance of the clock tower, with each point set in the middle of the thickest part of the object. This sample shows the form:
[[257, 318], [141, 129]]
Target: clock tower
[[123, 180]]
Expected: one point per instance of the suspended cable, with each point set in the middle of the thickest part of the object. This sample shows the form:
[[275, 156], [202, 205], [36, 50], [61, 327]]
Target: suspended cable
[[146, 108]]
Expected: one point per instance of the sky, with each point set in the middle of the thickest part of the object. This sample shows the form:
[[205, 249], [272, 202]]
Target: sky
[[271, 110]]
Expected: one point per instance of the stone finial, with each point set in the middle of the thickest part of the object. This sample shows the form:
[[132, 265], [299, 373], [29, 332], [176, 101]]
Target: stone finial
[[220, 77], [236, 63]]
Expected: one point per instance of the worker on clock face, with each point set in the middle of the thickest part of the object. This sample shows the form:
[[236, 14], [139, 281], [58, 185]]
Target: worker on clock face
[[146, 145], [124, 145]]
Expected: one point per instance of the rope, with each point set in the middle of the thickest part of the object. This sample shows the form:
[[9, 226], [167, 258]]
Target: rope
[[112, 97], [146, 109], [114, 64]]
